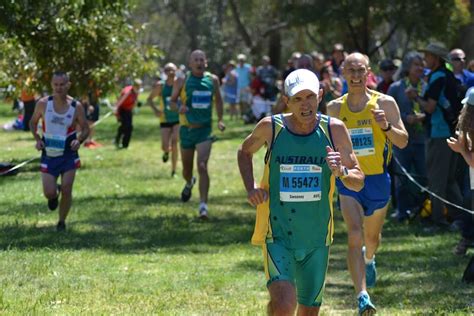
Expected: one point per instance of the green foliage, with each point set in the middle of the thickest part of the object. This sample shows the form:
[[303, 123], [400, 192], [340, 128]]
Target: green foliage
[[92, 40], [200, 24], [362, 24]]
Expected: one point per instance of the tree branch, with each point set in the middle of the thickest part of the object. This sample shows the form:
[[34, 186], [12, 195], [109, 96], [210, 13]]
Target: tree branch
[[311, 37], [274, 28], [240, 26], [387, 38], [353, 34]]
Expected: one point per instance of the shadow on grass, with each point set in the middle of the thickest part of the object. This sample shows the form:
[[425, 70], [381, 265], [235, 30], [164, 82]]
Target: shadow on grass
[[250, 265], [131, 229], [416, 271], [141, 234]]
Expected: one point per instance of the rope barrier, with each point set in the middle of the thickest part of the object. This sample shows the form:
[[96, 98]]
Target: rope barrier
[[18, 166], [424, 189]]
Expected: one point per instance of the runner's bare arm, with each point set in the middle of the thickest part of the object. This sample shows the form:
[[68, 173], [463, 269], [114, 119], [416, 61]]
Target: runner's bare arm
[[388, 117], [177, 86], [459, 145], [260, 136], [344, 156], [37, 115], [155, 92], [81, 120], [219, 103]]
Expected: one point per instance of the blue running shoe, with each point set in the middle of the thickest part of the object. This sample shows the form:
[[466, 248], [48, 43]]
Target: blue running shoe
[[370, 275], [366, 308], [370, 272]]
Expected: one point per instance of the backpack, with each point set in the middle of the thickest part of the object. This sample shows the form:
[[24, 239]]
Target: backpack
[[450, 99]]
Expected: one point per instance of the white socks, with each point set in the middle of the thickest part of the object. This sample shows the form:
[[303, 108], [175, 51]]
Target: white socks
[[369, 261], [203, 205], [362, 293]]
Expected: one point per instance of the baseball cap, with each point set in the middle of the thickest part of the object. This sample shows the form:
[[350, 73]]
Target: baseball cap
[[241, 57], [299, 80], [469, 99], [387, 64]]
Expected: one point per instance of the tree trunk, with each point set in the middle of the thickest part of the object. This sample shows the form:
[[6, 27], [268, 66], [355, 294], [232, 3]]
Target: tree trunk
[[466, 40], [274, 48], [240, 26], [365, 30]]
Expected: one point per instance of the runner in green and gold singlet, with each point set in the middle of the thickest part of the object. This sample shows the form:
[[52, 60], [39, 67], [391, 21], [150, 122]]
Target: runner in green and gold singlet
[[300, 182], [167, 116], [169, 120], [198, 93], [294, 221], [198, 97]]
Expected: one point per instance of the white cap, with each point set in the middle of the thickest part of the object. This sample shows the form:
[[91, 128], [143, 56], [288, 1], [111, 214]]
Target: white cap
[[469, 99], [301, 79]]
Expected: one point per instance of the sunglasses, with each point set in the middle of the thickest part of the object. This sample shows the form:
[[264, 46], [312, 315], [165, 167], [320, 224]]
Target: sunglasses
[[457, 59]]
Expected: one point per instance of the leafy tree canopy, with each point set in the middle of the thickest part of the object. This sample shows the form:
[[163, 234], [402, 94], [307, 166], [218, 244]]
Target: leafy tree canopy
[[92, 40], [356, 22]]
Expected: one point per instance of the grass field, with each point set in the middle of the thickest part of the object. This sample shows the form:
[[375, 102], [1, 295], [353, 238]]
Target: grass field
[[133, 248]]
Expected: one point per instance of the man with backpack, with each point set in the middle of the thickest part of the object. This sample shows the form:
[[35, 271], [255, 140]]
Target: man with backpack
[[441, 105]]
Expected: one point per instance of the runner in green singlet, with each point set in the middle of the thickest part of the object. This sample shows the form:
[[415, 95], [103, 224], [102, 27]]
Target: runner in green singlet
[[169, 119], [198, 92], [306, 151]]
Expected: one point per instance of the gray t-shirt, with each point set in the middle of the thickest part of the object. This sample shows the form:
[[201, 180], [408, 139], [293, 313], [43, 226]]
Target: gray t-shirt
[[416, 131]]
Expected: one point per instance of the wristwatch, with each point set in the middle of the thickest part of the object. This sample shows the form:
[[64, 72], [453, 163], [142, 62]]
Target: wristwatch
[[389, 127], [345, 173]]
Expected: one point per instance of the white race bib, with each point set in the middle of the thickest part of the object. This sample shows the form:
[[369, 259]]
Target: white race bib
[[300, 183], [362, 141], [201, 99], [54, 145]]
